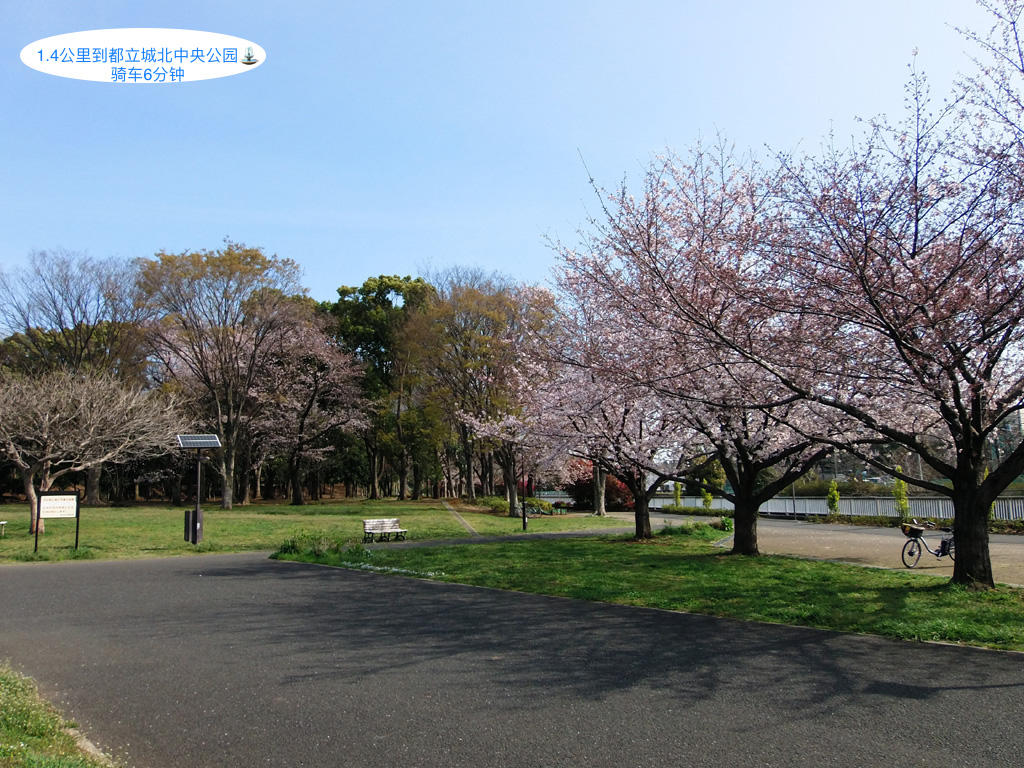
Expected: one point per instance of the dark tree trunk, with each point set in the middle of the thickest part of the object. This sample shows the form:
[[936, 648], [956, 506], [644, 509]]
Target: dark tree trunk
[[506, 458], [28, 482], [973, 566], [467, 462], [92, 486], [417, 480], [375, 468], [403, 473], [295, 481], [173, 490], [641, 515], [744, 537]]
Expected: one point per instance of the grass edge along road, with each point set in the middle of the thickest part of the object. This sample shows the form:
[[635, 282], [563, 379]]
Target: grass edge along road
[[32, 732], [681, 570]]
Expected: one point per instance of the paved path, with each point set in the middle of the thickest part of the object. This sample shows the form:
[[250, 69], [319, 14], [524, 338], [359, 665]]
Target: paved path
[[236, 660], [459, 518]]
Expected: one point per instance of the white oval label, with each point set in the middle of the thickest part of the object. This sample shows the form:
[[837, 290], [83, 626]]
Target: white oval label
[[143, 55]]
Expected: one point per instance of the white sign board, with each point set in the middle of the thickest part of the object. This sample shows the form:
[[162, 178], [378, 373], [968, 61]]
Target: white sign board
[[58, 505]]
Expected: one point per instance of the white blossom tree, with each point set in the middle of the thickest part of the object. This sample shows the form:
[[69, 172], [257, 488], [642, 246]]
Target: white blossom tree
[[58, 423], [309, 389]]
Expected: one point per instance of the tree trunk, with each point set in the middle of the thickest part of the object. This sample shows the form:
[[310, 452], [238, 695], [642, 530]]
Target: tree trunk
[[508, 475], [28, 480], [227, 470], [467, 458], [259, 481], [973, 566], [599, 496], [175, 490], [641, 515], [744, 536], [374, 462], [295, 479], [417, 480], [403, 474], [92, 485]]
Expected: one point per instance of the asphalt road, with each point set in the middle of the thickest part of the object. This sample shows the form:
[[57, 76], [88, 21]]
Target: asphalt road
[[237, 660]]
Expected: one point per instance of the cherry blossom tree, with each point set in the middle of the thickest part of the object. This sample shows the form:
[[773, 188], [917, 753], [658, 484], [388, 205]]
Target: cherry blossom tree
[[638, 290], [623, 429], [903, 260], [309, 389]]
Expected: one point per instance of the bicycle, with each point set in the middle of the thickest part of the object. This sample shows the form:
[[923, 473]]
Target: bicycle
[[916, 542]]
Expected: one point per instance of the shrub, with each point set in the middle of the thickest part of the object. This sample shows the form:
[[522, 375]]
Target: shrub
[[833, 499], [616, 494], [311, 543], [493, 503], [697, 530], [673, 509], [722, 524], [539, 505]]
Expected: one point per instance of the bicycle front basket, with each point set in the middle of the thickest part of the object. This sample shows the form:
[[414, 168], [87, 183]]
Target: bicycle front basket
[[911, 531]]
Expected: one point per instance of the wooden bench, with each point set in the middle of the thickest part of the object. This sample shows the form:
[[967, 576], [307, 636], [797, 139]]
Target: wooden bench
[[383, 529]]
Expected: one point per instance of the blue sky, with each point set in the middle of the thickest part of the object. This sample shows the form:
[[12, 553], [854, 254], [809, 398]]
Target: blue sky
[[398, 137]]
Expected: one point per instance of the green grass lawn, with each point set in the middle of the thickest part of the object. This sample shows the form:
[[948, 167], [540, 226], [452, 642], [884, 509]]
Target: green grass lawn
[[32, 733], [687, 573], [154, 531]]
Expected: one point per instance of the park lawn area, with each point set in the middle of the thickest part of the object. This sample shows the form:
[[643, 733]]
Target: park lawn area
[[494, 524], [32, 733], [158, 531], [687, 573]]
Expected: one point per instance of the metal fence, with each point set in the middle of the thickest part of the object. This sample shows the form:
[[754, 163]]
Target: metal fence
[[938, 507]]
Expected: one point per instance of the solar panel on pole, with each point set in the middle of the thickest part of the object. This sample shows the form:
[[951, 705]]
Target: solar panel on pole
[[198, 441]]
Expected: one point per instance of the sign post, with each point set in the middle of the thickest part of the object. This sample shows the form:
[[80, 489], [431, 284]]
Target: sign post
[[54, 504], [194, 517]]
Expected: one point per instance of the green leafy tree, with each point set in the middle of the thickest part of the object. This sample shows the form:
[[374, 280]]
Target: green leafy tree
[[219, 318], [371, 322]]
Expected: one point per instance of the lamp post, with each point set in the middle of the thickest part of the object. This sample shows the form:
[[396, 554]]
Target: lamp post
[[194, 517], [522, 474]]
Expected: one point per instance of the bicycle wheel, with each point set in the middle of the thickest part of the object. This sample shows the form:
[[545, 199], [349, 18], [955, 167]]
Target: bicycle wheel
[[952, 550], [911, 552]]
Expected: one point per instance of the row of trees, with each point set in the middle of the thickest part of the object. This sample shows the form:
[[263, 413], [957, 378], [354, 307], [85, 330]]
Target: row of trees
[[385, 388], [867, 298], [726, 313]]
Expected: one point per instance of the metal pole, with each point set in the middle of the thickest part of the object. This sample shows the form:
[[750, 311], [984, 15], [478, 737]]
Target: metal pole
[[196, 520], [522, 469]]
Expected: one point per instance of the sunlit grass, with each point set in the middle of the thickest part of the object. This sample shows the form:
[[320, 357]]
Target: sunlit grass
[[32, 733], [154, 531]]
